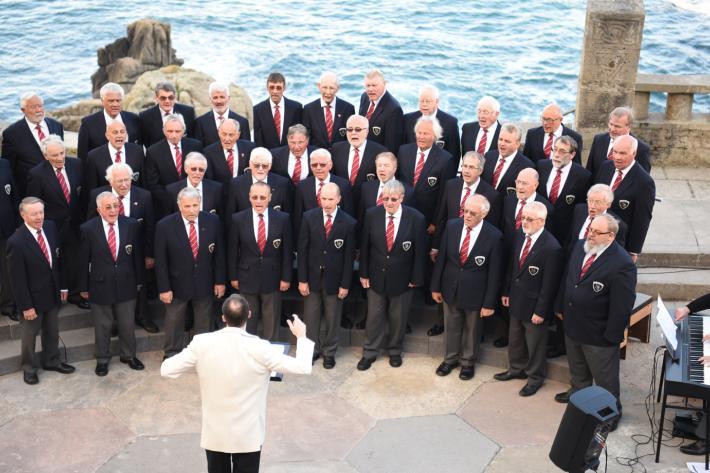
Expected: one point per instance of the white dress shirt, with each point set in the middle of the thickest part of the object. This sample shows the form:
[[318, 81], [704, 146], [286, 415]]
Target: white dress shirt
[[33, 129], [563, 178], [489, 138], [46, 241], [304, 164]]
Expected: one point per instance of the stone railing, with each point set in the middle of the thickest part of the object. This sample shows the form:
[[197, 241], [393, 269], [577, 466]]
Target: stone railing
[[680, 90]]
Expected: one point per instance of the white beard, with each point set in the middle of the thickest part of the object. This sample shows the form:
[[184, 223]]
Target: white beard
[[593, 249]]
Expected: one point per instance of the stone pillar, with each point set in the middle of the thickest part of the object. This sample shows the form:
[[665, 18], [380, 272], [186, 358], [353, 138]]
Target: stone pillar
[[610, 56]]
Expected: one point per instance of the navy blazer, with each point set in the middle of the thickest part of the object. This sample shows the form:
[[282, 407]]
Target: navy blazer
[[391, 272], [212, 194], [597, 308], [506, 182], [9, 201], [572, 193], [34, 283], [326, 263], [439, 167], [259, 273], [368, 198], [22, 150], [238, 193], [633, 202], [450, 140], [469, 132], [536, 138], [279, 161], [367, 171], [451, 202], [581, 212], [175, 268], [99, 159], [386, 122], [42, 182], [599, 151], [507, 225], [305, 198], [141, 211], [217, 168], [314, 120], [265, 133], [92, 131], [206, 128], [110, 281], [152, 122], [532, 287], [475, 284]]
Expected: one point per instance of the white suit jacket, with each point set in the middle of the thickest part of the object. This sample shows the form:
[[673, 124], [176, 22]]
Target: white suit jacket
[[234, 368]]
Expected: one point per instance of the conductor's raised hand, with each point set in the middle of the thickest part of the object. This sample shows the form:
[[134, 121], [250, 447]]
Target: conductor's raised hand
[[297, 327]]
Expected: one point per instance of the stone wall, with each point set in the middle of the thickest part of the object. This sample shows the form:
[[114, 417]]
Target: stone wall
[[676, 143]]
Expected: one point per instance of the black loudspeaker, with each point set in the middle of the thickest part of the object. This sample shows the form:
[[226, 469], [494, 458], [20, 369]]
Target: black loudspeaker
[[583, 430]]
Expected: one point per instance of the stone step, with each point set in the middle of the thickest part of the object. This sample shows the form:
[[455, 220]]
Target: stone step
[[674, 260], [70, 317], [673, 283]]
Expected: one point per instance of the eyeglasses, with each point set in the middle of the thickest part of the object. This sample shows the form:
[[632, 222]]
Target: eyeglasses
[[550, 120], [260, 165], [596, 232], [560, 150], [356, 130], [169, 98], [529, 219], [319, 165], [198, 169], [122, 181], [258, 197], [391, 199]]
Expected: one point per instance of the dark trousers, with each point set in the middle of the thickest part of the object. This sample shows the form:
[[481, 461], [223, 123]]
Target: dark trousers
[[69, 250], [218, 462], [104, 315], [462, 332], [175, 322], [386, 314], [317, 305], [46, 322], [266, 307], [527, 348], [6, 300], [592, 364]]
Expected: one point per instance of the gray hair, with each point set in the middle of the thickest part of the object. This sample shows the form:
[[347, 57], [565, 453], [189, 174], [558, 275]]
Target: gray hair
[[27, 96], [260, 152], [429, 88], [297, 129], [196, 156], [387, 154], [569, 141], [165, 86], [604, 190], [322, 152], [612, 224], [188, 192], [103, 195], [489, 101], [539, 209], [481, 201], [329, 75], [634, 141], [480, 161], [232, 121], [51, 140], [375, 73], [29, 201], [175, 117], [217, 86], [118, 167], [393, 186], [533, 173], [620, 112], [332, 185], [110, 87], [512, 128], [358, 117], [438, 130]]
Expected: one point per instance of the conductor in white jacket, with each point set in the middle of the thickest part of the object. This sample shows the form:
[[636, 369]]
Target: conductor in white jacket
[[234, 369]]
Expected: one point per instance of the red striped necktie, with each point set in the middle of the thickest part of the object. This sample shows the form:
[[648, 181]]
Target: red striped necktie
[[587, 265], [193, 241]]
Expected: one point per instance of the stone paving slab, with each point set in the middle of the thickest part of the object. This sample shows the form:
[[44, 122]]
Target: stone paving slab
[[159, 454], [530, 459], [308, 467]]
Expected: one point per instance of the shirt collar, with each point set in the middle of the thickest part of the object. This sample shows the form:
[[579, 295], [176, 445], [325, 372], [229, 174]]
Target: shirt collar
[[332, 104]]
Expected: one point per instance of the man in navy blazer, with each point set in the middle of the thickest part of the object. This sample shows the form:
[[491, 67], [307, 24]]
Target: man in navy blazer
[[292, 161], [634, 192], [92, 131], [426, 168], [21, 140], [466, 278], [393, 252], [505, 162], [326, 254], [260, 259], [371, 191], [326, 116], [211, 195], [599, 200], [189, 267], [564, 184], [207, 125], [165, 105], [228, 157], [429, 106], [274, 116], [620, 121], [539, 141], [9, 219], [482, 135], [529, 290], [595, 299], [165, 162], [526, 186], [33, 256], [111, 272], [117, 150], [383, 112]]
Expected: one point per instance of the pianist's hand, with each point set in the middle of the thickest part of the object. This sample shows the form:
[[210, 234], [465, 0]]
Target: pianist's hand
[[705, 360], [706, 337], [681, 313]]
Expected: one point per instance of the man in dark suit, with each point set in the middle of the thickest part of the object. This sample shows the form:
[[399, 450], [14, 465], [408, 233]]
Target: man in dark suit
[[504, 163], [466, 278], [383, 112], [21, 140], [539, 141], [620, 121], [207, 125], [634, 192], [112, 271], [153, 118], [210, 191], [117, 150], [595, 299], [529, 290], [326, 253], [429, 106], [307, 195], [325, 117], [526, 186], [371, 191], [292, 161], [228, 157], [136, 203], [393, 252], [426, 168], [164, 162], [260, 259], [482, 135], [59, 183], [92, 131], [33, 257], [9, 220], [564, 184], [189, 267], [599, 200], [274, 116], [354, 160], [259, 171]]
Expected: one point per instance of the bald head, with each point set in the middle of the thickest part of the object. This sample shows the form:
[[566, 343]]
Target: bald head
[[551, 118], [116, 134], [526, 183], [329, 197]]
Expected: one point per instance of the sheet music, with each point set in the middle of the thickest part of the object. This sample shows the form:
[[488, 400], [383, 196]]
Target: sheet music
[[283, 348], [667, 324]]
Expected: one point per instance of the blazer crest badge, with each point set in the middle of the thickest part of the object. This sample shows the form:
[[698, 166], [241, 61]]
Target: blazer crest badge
[[370, 177], [440, 143], [342, 131], [406, 245], [129, 249], [624, 204], [338, 243], [277, 243], [432, 180], [376, 130], [569, 199], [597, 286], [136, 176], [510, 190], [533, 270], [480, 260], [8, 189], [210, 247]]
